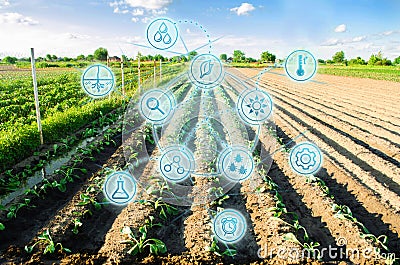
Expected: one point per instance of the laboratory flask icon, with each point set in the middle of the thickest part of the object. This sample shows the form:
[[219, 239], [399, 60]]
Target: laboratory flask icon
[[119, 188], [120, 192]]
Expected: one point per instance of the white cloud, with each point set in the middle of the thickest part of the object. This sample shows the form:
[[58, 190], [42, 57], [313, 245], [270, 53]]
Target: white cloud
[[148, 8], [17, 18], [4, 3], [148, 4], [74, 36], [137, 12], [119, 11], [159, 12], [359, 38], [338, 42], [341, 28], [389, 32], [243, 9], [332, 42], [146, 20]]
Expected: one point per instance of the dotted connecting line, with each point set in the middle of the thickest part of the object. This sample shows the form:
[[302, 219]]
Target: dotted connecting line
[[201, 28]]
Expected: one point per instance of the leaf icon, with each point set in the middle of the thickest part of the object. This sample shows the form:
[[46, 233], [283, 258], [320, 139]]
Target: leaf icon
[[205, 68]]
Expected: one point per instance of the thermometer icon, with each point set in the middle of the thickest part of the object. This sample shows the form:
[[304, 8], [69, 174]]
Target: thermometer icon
[[300, 70]]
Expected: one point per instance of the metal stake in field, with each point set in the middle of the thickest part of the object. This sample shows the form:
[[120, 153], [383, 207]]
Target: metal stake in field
[[35, 92], [122, 75], [139, 71], [160, 71], [154, 74]]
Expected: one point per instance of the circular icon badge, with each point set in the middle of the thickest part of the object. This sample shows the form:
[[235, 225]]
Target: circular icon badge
[[98, 81], [206, 71], [157, 106], [236, 163], [229, 226], [162, 33], [119, 188], [300, 65], [305, 158], [254, 106], [176, 163]]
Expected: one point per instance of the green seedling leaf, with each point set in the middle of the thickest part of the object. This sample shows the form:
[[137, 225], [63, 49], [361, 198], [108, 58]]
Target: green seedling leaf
[[229, 252], [291, 238], [134, 250]]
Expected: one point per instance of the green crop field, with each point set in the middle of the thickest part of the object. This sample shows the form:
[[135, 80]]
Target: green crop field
[[389, 73], [63, 104]]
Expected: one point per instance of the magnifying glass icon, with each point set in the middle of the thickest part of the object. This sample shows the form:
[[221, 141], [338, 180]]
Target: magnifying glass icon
[[154, 104]]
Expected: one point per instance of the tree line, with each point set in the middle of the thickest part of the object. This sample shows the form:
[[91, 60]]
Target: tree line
[[238, 56], [374, 59], [101, 54]]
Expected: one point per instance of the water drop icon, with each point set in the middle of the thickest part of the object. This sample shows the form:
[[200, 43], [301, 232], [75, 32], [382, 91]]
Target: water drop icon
[[158, 37], [167, 39], [163, 28], [162, 33]]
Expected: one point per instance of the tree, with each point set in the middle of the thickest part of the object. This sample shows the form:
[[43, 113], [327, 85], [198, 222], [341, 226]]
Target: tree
[[223, 57], [377, 59], [90, 57], [48, 57], [124, 58], [80, 57], [250, 60], [267, 57], [357, 61], [321, 61], [338, 57], [238, 56], [176, 59], [158, 57], [10, 60], [54, 57], [191, 55], [100, 54], [396, 60]]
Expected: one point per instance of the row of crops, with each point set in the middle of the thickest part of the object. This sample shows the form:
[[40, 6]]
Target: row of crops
[[64, 107]]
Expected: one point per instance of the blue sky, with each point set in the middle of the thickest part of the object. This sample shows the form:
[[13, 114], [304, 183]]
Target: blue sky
[[73, 27]]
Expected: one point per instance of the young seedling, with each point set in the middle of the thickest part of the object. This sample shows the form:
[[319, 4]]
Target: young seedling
[[163, 208], [311, 247], [280, 207], [47, 241], [12, 211], [141, 242], [217, 251], [86, 199], [77, 223], [380, 240]]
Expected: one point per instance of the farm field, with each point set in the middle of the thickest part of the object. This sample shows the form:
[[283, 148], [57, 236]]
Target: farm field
[[352, 204]]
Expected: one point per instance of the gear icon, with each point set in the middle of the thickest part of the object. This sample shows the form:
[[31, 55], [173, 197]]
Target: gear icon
[[305, 159]]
